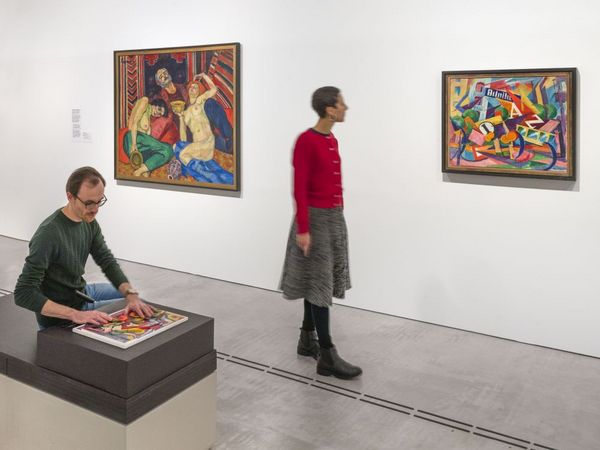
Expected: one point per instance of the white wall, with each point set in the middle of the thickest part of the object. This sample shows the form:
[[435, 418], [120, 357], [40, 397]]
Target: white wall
[[509, 257]]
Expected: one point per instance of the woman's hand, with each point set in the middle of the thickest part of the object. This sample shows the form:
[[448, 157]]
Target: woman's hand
[[303, 241]]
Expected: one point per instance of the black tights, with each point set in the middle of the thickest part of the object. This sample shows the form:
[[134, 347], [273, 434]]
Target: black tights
[[317, 317]]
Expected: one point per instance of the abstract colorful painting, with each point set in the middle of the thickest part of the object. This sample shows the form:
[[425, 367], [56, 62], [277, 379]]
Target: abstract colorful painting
[[177, 116], [125, 330], [509, 122]]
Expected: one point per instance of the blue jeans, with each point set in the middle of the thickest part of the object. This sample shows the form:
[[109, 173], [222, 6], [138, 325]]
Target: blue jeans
[[102, 293]]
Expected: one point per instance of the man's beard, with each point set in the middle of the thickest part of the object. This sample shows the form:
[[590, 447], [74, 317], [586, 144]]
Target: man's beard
[[166, 82]]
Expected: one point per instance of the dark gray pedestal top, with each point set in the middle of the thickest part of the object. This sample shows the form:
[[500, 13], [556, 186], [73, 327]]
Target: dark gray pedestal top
[[125, 372], [122, 385]]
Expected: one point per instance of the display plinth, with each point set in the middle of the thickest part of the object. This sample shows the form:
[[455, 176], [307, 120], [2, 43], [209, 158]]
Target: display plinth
[[39, 420], [65, 399], [125, 372]]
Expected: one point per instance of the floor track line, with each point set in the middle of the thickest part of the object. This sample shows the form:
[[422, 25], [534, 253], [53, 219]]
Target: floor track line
[[384, 403]]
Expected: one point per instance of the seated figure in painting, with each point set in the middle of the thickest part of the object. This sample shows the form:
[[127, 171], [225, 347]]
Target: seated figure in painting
[[145, 151], [197, 157]]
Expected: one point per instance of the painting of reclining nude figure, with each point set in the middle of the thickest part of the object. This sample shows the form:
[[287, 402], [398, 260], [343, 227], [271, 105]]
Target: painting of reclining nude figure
[[177, 116], [510, 122]]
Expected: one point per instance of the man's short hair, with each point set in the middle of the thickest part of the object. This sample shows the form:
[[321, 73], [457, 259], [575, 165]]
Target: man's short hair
[[323, 97], [87, 174], [160, 102]]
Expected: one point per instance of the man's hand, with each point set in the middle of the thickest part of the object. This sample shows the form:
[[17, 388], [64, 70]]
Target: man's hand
[[303, 241], [93, 317], [53, 309], [135, 304]]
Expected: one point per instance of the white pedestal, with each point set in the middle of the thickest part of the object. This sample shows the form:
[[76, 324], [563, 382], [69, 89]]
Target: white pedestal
[[31, 419], [4, 411]]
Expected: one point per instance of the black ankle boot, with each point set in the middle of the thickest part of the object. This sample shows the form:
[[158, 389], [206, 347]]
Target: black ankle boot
[[308, 344], [330, 363]]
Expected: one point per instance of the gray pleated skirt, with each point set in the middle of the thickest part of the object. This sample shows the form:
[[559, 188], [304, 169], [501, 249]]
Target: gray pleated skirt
[[325, 272]]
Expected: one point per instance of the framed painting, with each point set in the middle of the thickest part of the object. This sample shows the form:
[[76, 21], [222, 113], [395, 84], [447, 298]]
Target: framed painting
[[509, 122], [177, 116], [125, 330]]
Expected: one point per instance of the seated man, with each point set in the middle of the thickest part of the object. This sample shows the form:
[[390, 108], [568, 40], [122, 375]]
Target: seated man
[[51, 283]]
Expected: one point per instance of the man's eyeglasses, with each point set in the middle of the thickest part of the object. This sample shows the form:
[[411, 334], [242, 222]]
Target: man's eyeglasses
[[90, 203]]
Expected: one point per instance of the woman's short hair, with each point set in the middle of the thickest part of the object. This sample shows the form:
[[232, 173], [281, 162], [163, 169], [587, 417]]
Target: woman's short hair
[[323, 97]]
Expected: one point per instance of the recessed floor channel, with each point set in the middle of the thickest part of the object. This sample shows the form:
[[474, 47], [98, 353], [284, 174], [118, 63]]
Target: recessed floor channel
[[512, 441]]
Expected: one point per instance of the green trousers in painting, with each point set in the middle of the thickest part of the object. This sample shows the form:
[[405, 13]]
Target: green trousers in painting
[[154, 152]]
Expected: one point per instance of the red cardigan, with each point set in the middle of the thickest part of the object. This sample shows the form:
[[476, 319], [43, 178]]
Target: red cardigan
[[317, 175]]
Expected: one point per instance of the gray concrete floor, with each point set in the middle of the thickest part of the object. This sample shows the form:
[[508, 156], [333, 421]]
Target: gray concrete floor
[[424, 386]]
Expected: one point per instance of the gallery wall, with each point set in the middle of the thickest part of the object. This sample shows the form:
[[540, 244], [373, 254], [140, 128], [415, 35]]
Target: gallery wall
[[515, 258]]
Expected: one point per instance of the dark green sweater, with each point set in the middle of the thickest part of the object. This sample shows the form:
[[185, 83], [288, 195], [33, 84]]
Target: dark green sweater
[[55, 266]]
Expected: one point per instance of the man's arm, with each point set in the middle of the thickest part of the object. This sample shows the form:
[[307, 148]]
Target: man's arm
[[110, 267], [29, 295], [27, 291], [53, 309], [104, 257]]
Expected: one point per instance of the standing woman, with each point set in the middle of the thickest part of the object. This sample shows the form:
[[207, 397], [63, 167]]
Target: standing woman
[[316, 262]]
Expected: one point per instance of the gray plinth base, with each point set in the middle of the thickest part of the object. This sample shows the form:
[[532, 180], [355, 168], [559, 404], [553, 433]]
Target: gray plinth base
[[33, 419]]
